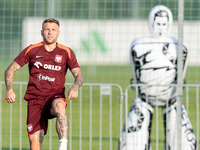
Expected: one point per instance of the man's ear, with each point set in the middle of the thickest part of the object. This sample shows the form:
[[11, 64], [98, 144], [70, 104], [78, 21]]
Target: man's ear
[[41, 33], [58, 33]]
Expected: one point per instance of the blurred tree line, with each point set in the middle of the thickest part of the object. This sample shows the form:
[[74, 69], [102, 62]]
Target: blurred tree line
[[13, 11]]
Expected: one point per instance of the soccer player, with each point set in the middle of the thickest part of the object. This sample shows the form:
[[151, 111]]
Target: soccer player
[[48, 62], [154, 62]]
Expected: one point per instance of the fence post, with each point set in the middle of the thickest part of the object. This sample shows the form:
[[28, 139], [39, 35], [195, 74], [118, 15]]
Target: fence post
[[20, 118], [0, 116], [180, 73]]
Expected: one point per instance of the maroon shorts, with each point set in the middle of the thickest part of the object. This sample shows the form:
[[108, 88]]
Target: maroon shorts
[[39, 113]]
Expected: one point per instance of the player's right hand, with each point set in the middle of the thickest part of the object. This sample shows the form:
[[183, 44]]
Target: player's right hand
[[10, 96], [73, 93]]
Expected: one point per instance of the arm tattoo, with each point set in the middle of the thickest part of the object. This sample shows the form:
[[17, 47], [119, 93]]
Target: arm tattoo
[[9, 74], [8, 80], [78, 78]]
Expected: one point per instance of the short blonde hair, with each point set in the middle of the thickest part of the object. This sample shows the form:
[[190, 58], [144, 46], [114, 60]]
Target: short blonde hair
[[50, 20]]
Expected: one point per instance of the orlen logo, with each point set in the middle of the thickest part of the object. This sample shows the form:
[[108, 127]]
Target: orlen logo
[[47, 66], [37, 64]]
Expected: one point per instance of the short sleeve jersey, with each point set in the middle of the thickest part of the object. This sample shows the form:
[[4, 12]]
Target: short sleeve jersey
[[47, 70]]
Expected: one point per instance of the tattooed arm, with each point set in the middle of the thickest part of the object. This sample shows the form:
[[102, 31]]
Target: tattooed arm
[[73, 91], [9, 75]]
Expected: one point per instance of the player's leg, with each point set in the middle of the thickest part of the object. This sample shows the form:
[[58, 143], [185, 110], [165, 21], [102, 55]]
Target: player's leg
[[36, 123], [36, 140], [58, 110], [138, 127], [188, 137]]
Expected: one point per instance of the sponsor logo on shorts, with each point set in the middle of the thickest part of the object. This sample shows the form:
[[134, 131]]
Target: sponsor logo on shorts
[[29, 127], [42, 77], [58, 58]]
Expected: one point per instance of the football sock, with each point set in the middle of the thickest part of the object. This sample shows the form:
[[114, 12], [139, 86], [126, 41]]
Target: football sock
[[63, 144]]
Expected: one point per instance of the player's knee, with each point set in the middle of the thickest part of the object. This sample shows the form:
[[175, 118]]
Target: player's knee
[[35, 145], [36, 140], [58, 106]]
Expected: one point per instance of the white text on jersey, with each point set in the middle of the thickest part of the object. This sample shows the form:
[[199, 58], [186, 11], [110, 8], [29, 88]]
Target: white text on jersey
[[42, 77], [47, 66]]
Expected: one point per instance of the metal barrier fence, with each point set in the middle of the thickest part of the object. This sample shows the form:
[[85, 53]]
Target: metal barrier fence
[[190, 99], [95, 118]]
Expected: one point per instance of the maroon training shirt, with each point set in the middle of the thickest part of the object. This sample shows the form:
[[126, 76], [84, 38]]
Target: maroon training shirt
[[47, 70]]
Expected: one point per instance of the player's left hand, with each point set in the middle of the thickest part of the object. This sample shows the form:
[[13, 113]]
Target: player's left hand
[[73, 93], [10, 96]]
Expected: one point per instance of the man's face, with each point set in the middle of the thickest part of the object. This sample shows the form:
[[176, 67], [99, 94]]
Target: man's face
[[160, 25], [50, 32]]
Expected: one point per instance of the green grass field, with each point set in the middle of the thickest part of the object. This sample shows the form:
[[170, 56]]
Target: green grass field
[[102, 74]]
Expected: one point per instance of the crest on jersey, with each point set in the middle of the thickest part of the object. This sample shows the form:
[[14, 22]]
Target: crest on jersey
[[29, 127], [58, 58]]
